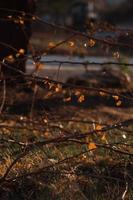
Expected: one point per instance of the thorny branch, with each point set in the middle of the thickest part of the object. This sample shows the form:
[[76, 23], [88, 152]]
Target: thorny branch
[[73, 137], [67, 137], [41, 81]]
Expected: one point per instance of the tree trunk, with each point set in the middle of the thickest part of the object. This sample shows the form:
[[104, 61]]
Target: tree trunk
[[15, 32]]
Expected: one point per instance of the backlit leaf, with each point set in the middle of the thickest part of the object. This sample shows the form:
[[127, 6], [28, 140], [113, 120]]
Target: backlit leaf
[[102, 93], [98, 127], [118, 103], [91, 43], [67, 99], [116, 55], [104, 139], [81, 98], [10, 58], [71, 43], [21, 51], [92, 146], [51, 44], [115, 97]]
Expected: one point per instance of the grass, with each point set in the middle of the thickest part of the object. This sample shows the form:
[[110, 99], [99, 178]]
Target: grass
[[70, 169]]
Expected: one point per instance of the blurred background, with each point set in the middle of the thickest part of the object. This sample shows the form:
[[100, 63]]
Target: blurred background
[[81, 15], [62, 10], [108, 20]]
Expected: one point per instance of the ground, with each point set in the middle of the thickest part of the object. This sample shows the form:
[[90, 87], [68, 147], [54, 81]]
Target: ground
[[57, 142]]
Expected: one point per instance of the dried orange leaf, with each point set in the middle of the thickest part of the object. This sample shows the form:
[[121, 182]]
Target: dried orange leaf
[[102, 94], [58, 88], [81, 98], [91, 42], [67, 99], [115, 97], [9, 16], [50, 85], [21, 51], [92, 146], [98, 127], [77, 93], [104, 139], [71, 44], [21, 21], [10, 58], [118, 103], [34, 18], [116, 55], [45, 121], [51, 44]]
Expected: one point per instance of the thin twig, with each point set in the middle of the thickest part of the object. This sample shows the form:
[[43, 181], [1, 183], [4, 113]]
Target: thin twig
[[4, 96], [125, 192], [33, 100]]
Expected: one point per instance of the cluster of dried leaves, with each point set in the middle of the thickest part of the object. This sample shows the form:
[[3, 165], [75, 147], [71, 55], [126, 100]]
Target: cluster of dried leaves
[[57, 136]]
